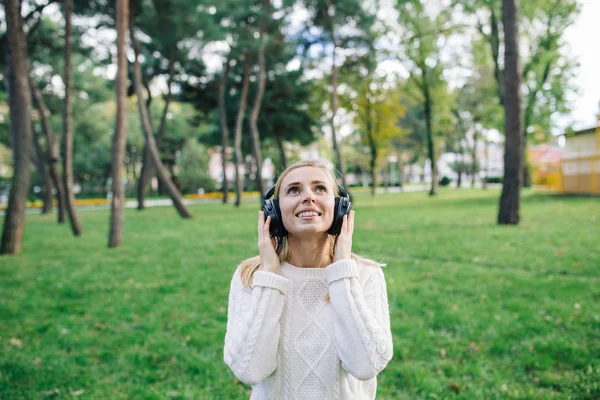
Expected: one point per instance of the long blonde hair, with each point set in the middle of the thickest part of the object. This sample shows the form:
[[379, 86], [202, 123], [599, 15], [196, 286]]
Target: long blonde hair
[[251, 265]]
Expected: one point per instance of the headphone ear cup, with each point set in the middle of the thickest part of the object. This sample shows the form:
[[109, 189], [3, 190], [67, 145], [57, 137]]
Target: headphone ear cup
[[271, 209], [341, 208]]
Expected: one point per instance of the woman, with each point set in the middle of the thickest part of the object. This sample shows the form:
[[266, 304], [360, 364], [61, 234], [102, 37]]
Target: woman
[[307, 319]]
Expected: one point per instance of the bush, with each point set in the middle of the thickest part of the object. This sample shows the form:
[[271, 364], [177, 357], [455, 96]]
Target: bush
[[445, 181], [493, 179], [193, 169]]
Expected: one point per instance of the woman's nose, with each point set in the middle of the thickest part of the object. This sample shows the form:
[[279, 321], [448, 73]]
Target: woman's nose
[[309, 196]]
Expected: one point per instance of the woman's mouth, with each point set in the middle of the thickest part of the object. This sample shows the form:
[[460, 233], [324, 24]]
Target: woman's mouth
[[308, 214]]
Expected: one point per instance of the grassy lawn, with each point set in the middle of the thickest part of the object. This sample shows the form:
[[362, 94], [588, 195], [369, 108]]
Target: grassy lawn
[[479, 311]]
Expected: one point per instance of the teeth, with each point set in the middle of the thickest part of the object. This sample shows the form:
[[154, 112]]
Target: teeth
[[308, 214]]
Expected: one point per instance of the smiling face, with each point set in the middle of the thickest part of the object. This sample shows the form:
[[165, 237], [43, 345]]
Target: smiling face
[[307, 200]]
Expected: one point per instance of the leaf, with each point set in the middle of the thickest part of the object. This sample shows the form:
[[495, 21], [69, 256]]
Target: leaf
[[51, 393], [454, 387], [76, 393]]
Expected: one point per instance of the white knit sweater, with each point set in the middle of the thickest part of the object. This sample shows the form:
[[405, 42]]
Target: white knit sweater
[[288, 342]]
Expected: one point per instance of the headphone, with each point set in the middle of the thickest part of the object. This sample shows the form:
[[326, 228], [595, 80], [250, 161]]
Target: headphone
[[271, 208]]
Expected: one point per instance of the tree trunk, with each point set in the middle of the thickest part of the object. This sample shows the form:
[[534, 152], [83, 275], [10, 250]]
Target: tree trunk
[[262, 79], [487, 164], [430, 144], [372, 164], [163, 175], [282, 158], [239, 184], [68, 125], [400, 168], [148, 171], [20, 128], [494, 40], [508, 212], [53, 156], [115, 238], [334, 105], [459, 169], [42, 166], [224, 129], [474, 171], [372, 148]]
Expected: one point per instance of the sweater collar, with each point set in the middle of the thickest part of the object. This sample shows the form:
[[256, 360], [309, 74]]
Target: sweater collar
[[289, 271]]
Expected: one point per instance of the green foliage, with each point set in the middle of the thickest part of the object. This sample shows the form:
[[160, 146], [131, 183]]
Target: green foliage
[[445, 181], [478, 311], [193, 168]]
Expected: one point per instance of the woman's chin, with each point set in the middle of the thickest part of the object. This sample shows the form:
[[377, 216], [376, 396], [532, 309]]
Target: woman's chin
[[307, 231]]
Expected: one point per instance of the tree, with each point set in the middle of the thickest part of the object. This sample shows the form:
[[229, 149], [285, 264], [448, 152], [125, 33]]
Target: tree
[[238, 129], [508, 212], [178, 27], [378, 110], [41, 163], [224, 129], [162, 174], [20, 128], [336, 25], [422, 59], [262, 78], [117, 203], [68, 125], [547, 70], [52, 151]]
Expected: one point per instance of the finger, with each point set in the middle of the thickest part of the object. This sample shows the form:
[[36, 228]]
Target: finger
[[344, 228], [261, 222], [267, 225], [351, 222]]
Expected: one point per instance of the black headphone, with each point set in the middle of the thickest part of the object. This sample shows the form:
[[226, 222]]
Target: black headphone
[[276, 228]]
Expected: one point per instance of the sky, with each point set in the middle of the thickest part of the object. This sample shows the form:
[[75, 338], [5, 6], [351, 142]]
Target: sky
[[583, 38]]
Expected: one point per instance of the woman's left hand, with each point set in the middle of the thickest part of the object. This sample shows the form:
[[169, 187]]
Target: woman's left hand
[[343, 242]]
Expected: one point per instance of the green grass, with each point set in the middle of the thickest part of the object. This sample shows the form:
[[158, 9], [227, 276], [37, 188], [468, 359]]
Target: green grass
[[478, 311]]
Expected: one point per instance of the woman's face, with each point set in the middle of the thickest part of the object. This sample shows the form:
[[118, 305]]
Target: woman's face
[[307, 201]]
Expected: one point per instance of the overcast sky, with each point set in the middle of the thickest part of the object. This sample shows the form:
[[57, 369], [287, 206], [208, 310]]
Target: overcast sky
[[584, 36]]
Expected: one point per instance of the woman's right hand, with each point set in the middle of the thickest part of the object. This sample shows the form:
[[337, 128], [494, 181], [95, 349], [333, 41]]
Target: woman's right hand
[[266, 245]]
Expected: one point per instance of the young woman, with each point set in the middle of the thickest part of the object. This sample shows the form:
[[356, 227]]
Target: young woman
[[307, 319]]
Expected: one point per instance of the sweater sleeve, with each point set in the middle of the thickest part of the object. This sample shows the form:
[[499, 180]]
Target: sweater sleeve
[[362, 318], [253, 326]]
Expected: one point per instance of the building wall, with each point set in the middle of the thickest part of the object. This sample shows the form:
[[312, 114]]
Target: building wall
[[580, 145]]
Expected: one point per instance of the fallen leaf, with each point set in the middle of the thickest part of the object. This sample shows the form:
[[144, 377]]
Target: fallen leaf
[[454, 387], [560, 251], [51, 393], [16, 342], [76, 393]]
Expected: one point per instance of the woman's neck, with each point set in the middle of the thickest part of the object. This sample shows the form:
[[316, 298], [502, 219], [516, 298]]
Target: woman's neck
[[309, 252]]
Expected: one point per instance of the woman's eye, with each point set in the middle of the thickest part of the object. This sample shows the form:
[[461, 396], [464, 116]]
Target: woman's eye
[[292, 190], [321, 188]]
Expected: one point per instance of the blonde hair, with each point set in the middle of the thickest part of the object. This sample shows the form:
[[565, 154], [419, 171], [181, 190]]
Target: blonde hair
[[251, 265]]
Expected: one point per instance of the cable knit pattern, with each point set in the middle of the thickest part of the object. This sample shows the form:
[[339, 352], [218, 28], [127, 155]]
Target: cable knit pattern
[[286, 341]]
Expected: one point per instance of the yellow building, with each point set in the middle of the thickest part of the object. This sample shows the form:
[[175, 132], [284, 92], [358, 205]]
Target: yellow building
[[581, 162]]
